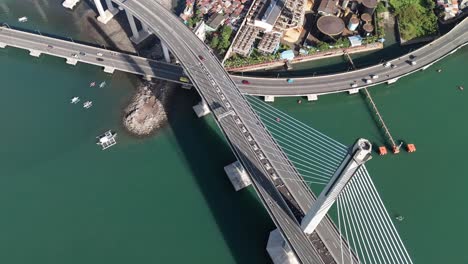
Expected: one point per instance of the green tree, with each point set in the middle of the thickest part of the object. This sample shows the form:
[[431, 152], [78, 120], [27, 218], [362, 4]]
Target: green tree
[[214, 42]]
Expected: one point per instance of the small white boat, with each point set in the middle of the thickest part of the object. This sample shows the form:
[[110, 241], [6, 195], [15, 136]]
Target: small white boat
[[101, 85], [23, 19], [75, 100], [88, 104], [107, 139]]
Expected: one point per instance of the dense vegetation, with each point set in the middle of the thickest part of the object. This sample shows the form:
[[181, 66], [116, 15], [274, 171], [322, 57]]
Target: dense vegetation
[[416, 18], [255, 57], [220, 41]]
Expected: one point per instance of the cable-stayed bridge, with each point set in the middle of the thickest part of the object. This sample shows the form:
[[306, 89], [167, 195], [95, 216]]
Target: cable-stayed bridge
[[363, 223], [280, 174]]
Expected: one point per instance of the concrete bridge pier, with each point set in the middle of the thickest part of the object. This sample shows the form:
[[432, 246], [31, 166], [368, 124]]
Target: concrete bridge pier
[[138, 36], [269, 98], [279, 251], [2, 45], [72, 61], [167, 56], [353, 91], [34, 53], [312, 97], [105, 15], [201, 109], [394, 80], [70, 3], [237, 175], [109, 69]]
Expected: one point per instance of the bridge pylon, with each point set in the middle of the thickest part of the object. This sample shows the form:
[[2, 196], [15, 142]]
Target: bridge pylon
[[356, 157]]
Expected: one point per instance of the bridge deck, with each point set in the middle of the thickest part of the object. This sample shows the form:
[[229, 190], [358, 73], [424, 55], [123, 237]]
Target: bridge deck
[[248, 138], [110, 59], [302, 86]]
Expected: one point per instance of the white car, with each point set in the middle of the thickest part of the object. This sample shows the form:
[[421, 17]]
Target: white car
[[374, 76], [99, 54], [393, 66], [368, 81], [354, 85], [387, 64], [413, 62]]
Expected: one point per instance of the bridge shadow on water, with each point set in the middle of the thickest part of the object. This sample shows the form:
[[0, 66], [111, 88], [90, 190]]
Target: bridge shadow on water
[[240, 216]]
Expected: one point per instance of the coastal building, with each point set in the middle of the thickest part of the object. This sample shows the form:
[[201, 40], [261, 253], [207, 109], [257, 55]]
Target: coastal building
[[245, 40], [330, 28], [214, 22], [355, 41], [328, 7], [199, 30], [269, 14], [269, 43], [353, 23], [451, 7], [368, 6]]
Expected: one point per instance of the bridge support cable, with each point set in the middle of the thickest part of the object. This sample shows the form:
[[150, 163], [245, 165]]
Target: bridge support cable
[[352, 228], [380, 207], [296, 142], [371, 232], [386, 238], [369, 224], [367, 233], [262, 107], [362, 234], [338, 209], [345, 227], [295, 147], [337, 145]]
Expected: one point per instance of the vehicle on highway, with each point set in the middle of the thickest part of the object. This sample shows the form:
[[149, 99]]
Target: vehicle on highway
[[201, 57], [74, 55], [412, 62], [99, 59], [374, 76], [245, 82], [354, 85], [368, 81], [393, 66], [290, 80], [184, 79], [50, 46], [99, 54], [387, 64], [82, 53]]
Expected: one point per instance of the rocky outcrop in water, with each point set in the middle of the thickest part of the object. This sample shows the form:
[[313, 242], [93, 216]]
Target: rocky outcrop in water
[[147, 110]]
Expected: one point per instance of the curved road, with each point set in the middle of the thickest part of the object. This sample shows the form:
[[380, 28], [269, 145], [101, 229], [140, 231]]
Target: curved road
[[333, 83], [324, 84]]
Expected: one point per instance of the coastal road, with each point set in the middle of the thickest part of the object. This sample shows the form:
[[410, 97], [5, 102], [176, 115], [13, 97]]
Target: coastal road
[[302, 86], [250, 141], [109, 59], [340, 82]]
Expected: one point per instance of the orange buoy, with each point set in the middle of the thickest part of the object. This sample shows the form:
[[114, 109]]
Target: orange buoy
[[382, 150], [396, 149], [411, 148]]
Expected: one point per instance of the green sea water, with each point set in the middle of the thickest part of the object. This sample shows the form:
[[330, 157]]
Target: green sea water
[[166, 199]]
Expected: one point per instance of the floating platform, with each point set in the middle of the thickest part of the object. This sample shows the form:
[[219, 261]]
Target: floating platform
[[383, 151], [411, 148]]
